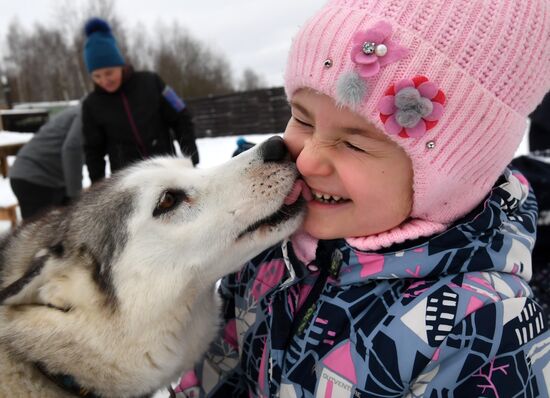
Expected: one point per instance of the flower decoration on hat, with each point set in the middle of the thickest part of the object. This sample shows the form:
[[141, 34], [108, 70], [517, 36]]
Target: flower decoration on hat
[[411, 107], [374, 48]]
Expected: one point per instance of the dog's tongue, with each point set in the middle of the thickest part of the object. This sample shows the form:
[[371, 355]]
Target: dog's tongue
[[298, 188]]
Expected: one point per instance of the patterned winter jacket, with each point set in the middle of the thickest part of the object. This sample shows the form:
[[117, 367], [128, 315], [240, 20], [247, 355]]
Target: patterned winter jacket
[[450, 317]]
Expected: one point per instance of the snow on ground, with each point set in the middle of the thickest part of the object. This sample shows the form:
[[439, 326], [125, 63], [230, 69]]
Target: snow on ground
[[213, 151]]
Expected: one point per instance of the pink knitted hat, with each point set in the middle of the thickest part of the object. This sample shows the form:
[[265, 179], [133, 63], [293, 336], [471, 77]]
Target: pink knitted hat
[[451, 81]]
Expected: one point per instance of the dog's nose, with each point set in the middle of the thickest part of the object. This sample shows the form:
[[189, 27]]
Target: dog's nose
[[274, 150]]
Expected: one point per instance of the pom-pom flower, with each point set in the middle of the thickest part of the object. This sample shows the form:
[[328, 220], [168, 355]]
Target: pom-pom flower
[[411, 107], [350, 90], [373, 49]]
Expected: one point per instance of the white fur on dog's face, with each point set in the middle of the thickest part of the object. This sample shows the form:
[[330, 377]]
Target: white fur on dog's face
[[118, 290], [208, 223]]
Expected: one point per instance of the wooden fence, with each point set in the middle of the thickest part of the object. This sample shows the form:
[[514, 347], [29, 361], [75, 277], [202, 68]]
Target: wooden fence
[[263, 111]]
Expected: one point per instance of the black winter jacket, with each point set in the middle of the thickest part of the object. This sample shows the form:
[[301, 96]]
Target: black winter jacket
[[136, 121]]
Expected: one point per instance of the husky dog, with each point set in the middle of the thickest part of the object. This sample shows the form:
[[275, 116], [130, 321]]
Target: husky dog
[[114, 296]]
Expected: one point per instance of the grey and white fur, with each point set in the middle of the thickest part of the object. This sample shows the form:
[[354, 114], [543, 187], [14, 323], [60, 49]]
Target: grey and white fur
[[117, 290]]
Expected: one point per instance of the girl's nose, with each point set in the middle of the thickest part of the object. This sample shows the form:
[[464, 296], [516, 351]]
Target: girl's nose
[[312, 160]]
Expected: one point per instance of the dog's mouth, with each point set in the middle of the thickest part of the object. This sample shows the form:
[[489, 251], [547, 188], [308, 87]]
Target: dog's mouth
[[293, 204]]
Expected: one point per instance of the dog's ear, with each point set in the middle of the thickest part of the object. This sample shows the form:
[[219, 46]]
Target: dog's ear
[[24, 288], [54, 280]]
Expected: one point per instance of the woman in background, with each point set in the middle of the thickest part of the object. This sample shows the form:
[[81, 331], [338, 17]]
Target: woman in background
[[130, 115]]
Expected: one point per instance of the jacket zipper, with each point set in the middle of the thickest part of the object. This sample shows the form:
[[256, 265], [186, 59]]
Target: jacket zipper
[[329, 259]]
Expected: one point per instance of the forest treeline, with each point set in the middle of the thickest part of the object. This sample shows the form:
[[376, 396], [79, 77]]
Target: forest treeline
[[45, 63]]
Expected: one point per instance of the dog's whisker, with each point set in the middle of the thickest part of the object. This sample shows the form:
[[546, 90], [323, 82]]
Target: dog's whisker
[[151, 362], [167, 348]]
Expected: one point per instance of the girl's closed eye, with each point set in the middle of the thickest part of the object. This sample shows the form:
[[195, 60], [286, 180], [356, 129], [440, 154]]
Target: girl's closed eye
[[354, 147], [302, 122]]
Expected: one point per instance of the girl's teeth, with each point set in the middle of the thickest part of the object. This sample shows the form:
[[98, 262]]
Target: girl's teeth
[[323, 197]]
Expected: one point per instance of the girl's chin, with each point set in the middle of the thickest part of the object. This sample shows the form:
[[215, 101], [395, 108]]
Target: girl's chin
[[327, 220], [322, 229]]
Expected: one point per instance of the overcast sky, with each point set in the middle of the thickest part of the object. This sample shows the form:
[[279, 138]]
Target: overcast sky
[[250, 33]]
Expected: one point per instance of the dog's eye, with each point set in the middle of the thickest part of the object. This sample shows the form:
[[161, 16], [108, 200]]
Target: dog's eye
[[168, 201]]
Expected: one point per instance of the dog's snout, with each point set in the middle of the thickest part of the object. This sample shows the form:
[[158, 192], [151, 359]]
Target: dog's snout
[[274, 150]]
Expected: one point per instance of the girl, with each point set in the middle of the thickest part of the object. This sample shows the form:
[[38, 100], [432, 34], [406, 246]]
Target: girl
[[410, 277]]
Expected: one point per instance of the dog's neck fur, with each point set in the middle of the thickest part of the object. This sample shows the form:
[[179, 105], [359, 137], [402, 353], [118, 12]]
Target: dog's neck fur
[[167, 344], [176, 343], [21, 379], [66, 383]]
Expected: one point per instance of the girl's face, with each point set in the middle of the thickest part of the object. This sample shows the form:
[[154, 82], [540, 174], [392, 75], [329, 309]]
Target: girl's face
[[109, 79], [361, 181]]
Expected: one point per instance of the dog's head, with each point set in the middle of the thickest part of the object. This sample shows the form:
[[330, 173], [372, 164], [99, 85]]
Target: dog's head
[[107, 273], [223, 215]]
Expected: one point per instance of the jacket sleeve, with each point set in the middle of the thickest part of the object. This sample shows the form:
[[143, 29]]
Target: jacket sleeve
[[500, 350], [219, 374], [72, 157], [95, 146], [179, 118]]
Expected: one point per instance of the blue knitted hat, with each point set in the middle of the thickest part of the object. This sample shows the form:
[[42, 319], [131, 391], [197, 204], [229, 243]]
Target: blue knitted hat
[[100, 49]]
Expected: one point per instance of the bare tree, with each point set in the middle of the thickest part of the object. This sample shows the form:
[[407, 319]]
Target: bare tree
[[38, 62], [6, 86], [15, 60], [46, 63], [188, 66], [140, 48], [251, 81]]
